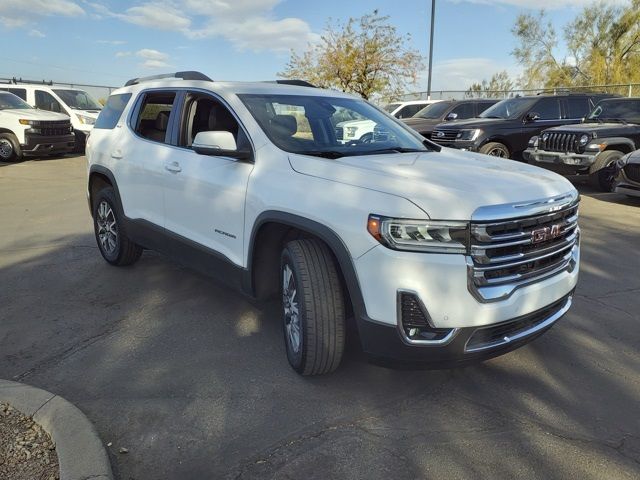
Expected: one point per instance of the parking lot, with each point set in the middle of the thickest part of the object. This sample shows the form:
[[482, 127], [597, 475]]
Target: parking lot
[[193, 380]]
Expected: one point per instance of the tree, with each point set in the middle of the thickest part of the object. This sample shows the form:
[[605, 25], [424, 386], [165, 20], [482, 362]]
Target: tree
[[603, 45], [365, 55], [499, 85]]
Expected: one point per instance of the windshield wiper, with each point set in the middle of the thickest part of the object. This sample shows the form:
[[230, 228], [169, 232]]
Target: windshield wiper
[[615, 120], [391, 150], [333, 154]]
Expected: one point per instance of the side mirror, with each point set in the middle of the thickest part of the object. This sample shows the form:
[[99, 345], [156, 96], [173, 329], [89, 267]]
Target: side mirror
[[219, 143], [451, 116], [532, 117]]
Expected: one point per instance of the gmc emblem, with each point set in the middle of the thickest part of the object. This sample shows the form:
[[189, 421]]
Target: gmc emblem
[[544, 234]]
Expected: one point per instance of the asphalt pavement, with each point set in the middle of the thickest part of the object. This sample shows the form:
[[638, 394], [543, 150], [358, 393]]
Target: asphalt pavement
[[193, 380]]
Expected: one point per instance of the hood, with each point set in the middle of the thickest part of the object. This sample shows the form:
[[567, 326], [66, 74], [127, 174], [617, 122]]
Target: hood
[[356, 123], [472, 123], [422, 123], [87, 113], [35, 114], [600, 129], [447, 185]]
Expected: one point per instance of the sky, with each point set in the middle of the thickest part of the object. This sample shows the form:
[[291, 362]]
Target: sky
[[107, 42]]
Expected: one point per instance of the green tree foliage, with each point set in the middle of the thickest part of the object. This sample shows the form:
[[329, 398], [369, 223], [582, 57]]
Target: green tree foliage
[[499, 86], [603, 45], [365, 56]]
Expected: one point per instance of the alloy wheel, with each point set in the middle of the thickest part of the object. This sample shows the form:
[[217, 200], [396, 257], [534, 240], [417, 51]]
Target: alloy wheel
[[293, 330], [107, 228], [6, 149]]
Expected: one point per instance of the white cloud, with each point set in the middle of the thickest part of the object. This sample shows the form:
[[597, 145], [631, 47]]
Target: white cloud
[[153, 58], [17, 13], [160, 15], [36, 33], [111, 42], [539, 4], [123, 54]]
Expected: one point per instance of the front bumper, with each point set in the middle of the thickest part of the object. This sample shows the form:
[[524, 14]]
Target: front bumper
[[467, 145], [560, 162], [44, 145], [467, 345]]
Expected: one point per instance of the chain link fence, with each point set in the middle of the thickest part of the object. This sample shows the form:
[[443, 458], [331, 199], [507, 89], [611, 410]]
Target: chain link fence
[[625, 90], [99, 92]]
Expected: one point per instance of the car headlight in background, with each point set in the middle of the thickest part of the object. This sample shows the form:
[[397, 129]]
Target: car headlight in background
[[584, 139], [533, 142], [24, 121], [86, 120], [468, 135], [434, 236]]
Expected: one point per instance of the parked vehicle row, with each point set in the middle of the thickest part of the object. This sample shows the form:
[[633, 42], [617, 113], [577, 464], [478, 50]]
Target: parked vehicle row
[[76, 106], [250, 182]]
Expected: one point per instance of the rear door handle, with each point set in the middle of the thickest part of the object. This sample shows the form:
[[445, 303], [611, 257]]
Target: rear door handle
[[116, 154], [173, 167]]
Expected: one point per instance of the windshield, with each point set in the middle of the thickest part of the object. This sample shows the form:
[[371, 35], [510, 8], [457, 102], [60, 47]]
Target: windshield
[[434, 111], [78, 99], [329, 127], [390, 107], [616, 111], [10, 101], [509, 109]]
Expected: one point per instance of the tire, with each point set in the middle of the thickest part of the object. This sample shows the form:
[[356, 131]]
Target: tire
[[366, 138], [603, 170], [495, 149], [9, 148], [313, 307], [111, 236]]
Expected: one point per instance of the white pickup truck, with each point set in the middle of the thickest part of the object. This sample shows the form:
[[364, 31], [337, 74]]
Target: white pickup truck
[[26, 131]]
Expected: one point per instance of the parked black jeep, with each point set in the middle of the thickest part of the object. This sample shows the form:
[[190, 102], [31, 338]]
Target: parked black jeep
[[446, 111], [504, 130], [593, 147]]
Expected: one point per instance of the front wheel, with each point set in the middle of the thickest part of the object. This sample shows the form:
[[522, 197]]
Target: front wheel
[[603, 176], [313, 307], [9, 148], [495, 149]]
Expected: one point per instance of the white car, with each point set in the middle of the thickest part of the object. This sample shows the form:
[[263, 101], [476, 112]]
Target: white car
[[77, 104], [440, 255], [407, 109], [26, 131]]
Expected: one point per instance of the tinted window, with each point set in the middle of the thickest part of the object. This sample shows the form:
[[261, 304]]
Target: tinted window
[[465, 110], [9, 101], [434, 111], [409, 111], [19, 92], [153, 118], [510, 108], [547, 108], [578, 107], [616, 111], [112, 111], [482, 106], [45, 101]]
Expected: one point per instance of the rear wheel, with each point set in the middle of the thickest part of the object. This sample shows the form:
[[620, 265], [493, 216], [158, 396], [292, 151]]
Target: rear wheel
[[9, 148], [495, 149], [603, 171], [111, 236], [313, 307]]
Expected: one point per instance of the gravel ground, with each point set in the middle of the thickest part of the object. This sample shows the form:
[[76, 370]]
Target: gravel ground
[[26, 451]]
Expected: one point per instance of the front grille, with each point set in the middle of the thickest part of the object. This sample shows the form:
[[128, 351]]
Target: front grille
[[444, 137], [340, 133], [632, 172], [507, 332], [559, 142], [522, 250], [51, 128]]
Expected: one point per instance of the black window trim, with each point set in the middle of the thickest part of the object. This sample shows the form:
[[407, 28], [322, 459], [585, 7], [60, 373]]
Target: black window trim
[[135, 111]]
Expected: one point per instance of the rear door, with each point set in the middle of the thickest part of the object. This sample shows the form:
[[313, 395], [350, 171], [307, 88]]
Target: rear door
[[205, 194]]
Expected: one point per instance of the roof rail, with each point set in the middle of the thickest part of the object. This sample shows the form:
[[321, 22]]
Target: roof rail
[[297, 83], [16, 81], [188, 75]]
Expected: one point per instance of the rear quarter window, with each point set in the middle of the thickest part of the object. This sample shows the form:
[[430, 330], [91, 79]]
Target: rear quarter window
[[112, 111]]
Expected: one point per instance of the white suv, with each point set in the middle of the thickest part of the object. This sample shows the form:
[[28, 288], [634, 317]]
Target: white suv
[[440, 255]]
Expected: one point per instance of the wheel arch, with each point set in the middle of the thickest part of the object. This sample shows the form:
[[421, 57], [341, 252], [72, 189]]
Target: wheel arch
[[271, 230], [100, 177], [498, 139]]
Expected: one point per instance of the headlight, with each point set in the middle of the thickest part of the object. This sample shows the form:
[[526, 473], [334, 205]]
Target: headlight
[[351, 131], [584, 139], [24, 121], [86, 120], [468, 135], [533, 142], [434, 236]]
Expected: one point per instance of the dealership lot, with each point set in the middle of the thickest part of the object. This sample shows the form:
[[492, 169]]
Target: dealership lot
[[192, 378]]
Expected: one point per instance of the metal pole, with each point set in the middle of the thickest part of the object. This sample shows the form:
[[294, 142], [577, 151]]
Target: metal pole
[[433, 16]]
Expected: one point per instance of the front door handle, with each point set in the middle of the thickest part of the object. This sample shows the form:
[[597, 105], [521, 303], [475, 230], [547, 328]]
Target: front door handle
[[173, 167]]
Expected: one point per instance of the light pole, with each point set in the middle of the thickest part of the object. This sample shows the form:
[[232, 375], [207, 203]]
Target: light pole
[[433, 16]]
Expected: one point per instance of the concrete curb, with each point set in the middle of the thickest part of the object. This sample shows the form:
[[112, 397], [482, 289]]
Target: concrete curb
[[81, 453]]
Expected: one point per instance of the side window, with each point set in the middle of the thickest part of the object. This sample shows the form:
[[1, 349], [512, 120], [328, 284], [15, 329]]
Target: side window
[[19, 92], [547, 108], [45, 101], [464, 110], [578, 107], [409, 111], [112, 111], [203, 113], [481, 107], [152, 121]]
